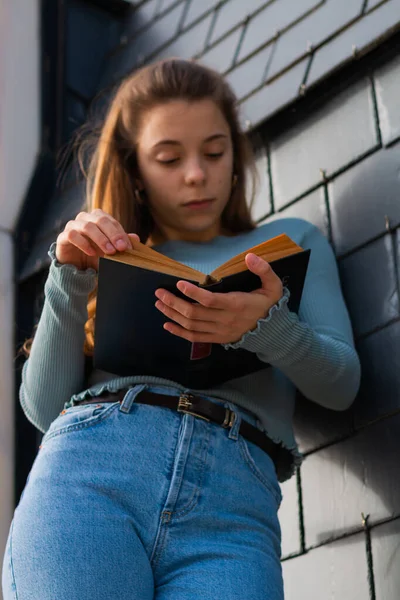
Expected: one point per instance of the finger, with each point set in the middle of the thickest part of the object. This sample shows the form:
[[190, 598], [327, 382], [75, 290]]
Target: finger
[[110, 227], [257, 265], [188, 309], [191, 336], [133, 237], [74, 237], [228, 305], [263, 269], [91, 232], [188, 324], [204, 297]]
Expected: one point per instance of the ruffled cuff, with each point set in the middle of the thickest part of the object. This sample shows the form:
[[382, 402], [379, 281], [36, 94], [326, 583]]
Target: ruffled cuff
[[69, 276], [256, 339]]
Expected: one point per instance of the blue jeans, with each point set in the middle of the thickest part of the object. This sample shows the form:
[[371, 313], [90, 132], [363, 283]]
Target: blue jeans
[[130, 501]]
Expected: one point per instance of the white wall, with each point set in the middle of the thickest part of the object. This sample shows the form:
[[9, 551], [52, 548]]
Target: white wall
[[19, 146]]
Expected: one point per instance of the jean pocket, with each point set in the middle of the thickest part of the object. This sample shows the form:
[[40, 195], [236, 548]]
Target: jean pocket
[[262, 466], [79, 417]]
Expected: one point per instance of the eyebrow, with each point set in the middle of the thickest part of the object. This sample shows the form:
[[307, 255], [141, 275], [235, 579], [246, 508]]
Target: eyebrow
[[176, 143]]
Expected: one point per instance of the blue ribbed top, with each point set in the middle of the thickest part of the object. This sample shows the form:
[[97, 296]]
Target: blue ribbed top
[[312, 351]]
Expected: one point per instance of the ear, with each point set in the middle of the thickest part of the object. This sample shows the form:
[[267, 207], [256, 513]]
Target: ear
[[139, 185]]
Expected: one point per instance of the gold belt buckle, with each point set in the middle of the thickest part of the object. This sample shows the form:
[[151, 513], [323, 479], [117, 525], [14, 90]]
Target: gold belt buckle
[[229, 418], [185, 403]]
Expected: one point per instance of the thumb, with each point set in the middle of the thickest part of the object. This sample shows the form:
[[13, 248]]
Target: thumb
[[134, 237], [260, 267]]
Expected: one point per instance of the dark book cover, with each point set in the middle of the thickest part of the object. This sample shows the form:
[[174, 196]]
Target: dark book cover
[[129, 334]]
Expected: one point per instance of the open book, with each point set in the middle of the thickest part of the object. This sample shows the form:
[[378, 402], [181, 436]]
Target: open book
[[129, 334]]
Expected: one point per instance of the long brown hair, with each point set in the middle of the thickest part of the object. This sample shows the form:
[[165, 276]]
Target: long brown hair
[[112, 168]]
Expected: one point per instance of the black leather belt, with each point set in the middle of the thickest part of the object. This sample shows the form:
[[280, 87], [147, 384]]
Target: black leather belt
[[198, 407]]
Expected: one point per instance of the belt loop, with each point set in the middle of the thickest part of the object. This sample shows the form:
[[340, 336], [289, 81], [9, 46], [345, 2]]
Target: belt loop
[[234, 429], [260, 426], [130, 397]]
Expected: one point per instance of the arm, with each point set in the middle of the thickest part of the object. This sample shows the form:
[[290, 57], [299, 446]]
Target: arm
[[315, 349], [55, 368]]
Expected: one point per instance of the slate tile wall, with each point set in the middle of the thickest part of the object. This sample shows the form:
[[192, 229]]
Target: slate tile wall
[[338, 168], [288, 37], [337, 570], [347, 122], [351, 464], [386, 553]]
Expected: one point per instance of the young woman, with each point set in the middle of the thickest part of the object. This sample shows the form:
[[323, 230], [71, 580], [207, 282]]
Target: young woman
[[129, 497]]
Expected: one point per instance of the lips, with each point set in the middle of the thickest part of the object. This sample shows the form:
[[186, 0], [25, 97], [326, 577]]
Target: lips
[[199, 202]]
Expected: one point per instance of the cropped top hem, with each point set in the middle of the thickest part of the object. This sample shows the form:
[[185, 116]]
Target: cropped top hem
[[247, 338], [68, 267], [289, 457]]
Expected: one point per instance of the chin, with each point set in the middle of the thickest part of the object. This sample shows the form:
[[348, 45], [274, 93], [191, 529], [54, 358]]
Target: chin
[[201, 222], [200, 228]]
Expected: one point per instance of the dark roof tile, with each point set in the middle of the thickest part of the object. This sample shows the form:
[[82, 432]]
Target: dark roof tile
[[356, 216], [289, 518], [329, 139], [220, 57], [360, 36], [380, 379], [312, 30], [270, 98], [337, 570], [232, 13], [387, 95], [372, 3], [189, 43], [262, 201], [386, 550], [250, 74], [164, 5], [312, 208], [379, 302], [358, 474], [275, 17], [197, 9], [316, 426]]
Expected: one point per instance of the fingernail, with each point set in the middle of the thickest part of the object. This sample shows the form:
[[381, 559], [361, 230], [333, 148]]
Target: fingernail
[[254, 259], [120, 245], [109, 247]]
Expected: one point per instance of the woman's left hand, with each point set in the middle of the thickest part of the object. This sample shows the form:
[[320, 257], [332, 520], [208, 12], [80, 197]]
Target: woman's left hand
[[220, 318]]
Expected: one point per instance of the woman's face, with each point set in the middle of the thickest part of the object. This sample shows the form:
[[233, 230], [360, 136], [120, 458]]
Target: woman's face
[[185, 159]]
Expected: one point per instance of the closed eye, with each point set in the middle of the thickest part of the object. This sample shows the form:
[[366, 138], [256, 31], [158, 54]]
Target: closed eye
[[168, 162], [213, 155]]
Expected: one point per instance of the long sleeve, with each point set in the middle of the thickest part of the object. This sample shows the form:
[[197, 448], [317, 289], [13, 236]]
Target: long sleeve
[[55, 368], [314, 349]]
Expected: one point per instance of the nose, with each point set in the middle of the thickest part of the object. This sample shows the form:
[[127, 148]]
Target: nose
[[195, 173]]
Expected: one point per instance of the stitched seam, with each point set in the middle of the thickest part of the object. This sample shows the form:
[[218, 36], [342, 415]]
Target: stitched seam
[[159, 544], [196, 492], [189, 506], [160, 531], [11, 566], [249, 460], [91, 422]]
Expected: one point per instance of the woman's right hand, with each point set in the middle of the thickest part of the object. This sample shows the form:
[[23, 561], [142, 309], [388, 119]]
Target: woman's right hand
[[89, 236]]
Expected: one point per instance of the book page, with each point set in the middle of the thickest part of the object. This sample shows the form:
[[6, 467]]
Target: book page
[[145, 257], [273, 249]]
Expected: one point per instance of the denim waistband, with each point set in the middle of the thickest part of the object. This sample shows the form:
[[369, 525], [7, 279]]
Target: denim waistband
[[245, 414]]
